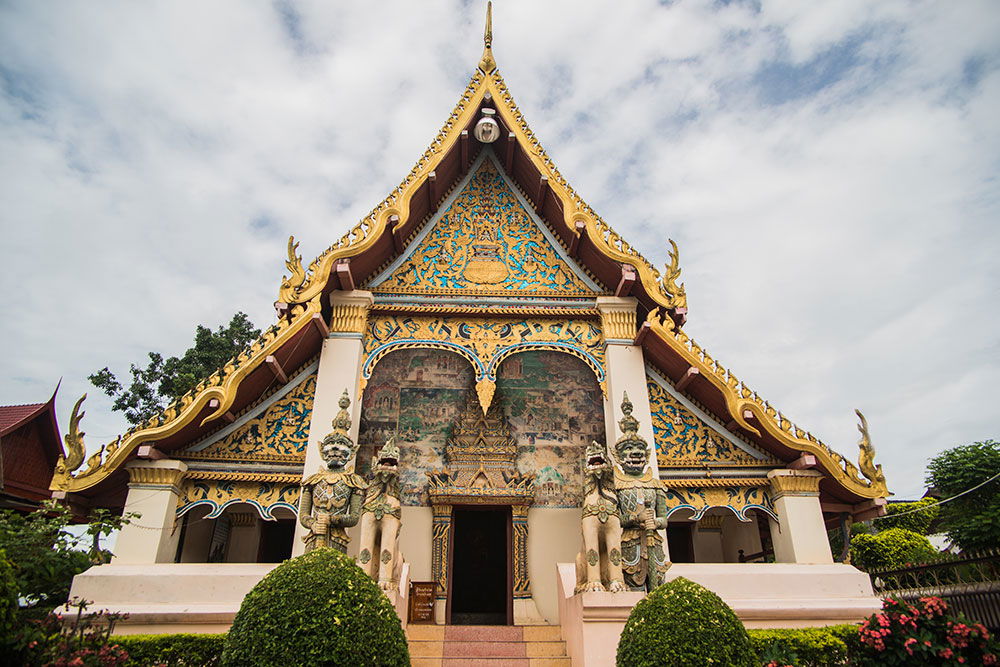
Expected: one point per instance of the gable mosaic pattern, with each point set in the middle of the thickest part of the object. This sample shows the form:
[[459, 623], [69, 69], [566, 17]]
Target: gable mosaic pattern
[[485, 242], [552, 404], [279, 433], [683, 439]]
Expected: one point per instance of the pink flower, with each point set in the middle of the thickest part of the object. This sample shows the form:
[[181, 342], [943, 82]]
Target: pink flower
[[945, 653], [989, 659]]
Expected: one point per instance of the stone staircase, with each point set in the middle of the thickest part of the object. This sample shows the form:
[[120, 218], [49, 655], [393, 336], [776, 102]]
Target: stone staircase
[[486, 646]]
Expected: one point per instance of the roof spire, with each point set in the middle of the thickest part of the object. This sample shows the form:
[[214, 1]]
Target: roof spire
[[487, 63]]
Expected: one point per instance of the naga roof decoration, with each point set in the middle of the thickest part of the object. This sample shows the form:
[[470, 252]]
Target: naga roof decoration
[[396, 223], [210, 400]]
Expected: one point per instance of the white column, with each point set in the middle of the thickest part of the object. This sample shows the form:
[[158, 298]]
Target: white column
[[152, 492], [625, 371], [340, 363], [799, 535]]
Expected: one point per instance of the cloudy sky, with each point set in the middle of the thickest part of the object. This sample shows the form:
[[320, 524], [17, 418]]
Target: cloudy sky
[[829, 170]]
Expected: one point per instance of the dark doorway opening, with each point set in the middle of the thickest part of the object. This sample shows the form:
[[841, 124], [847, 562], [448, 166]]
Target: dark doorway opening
[[276, 539], [481, 580], [680, 542]]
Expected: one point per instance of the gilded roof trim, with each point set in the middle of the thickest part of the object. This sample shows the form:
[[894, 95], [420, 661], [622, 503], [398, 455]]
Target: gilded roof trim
[[221, 385], [307, 284], [739, 398]]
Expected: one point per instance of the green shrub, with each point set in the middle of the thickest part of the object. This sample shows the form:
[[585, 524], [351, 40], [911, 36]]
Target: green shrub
[[178, 650], [890, 549], [317, 609], [8, 607], [683, 624], [807, 647], [919, 522]]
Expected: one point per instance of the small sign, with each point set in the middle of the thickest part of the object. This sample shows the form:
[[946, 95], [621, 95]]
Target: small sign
[[422, 601]]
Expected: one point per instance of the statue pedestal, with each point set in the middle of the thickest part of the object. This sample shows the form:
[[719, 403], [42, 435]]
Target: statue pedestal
[[400, 598], [763, 595]]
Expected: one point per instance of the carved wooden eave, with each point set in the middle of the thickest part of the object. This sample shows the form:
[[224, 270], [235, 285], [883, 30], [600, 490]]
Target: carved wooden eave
[[211, 405]]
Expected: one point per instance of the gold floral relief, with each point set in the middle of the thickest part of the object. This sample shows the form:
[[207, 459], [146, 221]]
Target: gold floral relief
[[279, 433], [218, 494], [682, 438], [485, 242], [740, 499], [484, 342]]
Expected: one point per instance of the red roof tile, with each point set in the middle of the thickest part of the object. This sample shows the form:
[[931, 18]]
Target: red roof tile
[[13, 415]]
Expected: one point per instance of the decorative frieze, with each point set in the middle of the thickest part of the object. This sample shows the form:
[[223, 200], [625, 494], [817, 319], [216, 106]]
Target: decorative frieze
[[617, 317], [155, 476], [794, 483], [349, 312]]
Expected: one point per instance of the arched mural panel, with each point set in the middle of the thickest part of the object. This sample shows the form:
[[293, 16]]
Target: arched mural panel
[[414, 394], [554, 407]]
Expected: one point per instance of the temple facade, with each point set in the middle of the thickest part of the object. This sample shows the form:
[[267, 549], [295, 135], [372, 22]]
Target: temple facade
[[439, 395]]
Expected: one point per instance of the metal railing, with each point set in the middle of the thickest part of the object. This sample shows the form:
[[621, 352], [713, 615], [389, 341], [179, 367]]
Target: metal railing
[[969, 583]]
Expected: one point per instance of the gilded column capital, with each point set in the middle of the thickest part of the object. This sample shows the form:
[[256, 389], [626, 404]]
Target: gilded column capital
[[617, 317], [349, 312], [164, 474], [786, 482]]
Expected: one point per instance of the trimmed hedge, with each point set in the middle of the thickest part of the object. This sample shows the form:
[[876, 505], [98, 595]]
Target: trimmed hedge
[[181, 650], [317, 609], [811, 647], [890, 549], [683, 624], [918, 522]]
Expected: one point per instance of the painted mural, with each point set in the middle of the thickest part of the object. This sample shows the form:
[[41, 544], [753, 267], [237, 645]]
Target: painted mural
[[555, 409], [485, 241], [551, 399]]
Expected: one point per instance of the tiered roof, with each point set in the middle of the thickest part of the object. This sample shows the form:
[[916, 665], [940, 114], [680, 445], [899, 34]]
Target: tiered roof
[[389, 231]]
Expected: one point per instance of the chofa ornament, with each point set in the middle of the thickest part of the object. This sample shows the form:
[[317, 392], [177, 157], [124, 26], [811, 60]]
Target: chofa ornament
[[331, 498]]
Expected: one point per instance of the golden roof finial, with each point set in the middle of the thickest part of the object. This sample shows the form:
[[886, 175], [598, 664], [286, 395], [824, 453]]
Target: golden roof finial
[[487, 63]]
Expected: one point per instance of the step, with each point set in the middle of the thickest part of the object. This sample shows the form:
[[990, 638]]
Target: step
[[476, 632], [490, 662], [487, 645]]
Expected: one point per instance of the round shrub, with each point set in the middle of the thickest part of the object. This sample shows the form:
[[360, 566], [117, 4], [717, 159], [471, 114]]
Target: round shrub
[[684, 625], [317, 609], [890, 549]]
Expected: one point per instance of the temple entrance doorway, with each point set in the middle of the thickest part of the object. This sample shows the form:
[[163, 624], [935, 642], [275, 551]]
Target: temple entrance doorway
[[480, 587]]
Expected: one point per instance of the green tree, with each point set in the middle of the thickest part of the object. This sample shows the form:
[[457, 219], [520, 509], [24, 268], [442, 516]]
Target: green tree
[[45, 555], [973, 520], [163, 380]]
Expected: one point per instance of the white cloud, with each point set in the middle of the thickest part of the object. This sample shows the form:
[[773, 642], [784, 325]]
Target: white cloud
[[829, 170]]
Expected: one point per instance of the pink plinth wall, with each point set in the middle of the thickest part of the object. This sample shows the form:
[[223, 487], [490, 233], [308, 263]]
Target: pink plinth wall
[[763, 595], [162, 598]]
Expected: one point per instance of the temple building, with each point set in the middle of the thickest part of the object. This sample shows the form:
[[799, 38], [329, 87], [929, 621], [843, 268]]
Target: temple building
[[486, 323]]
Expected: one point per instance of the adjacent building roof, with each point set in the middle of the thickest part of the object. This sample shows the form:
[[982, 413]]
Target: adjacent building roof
[[29, 450]]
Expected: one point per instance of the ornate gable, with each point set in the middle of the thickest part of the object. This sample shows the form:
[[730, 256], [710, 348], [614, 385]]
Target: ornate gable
[[275, 431], [685, 439], [485, 241]]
